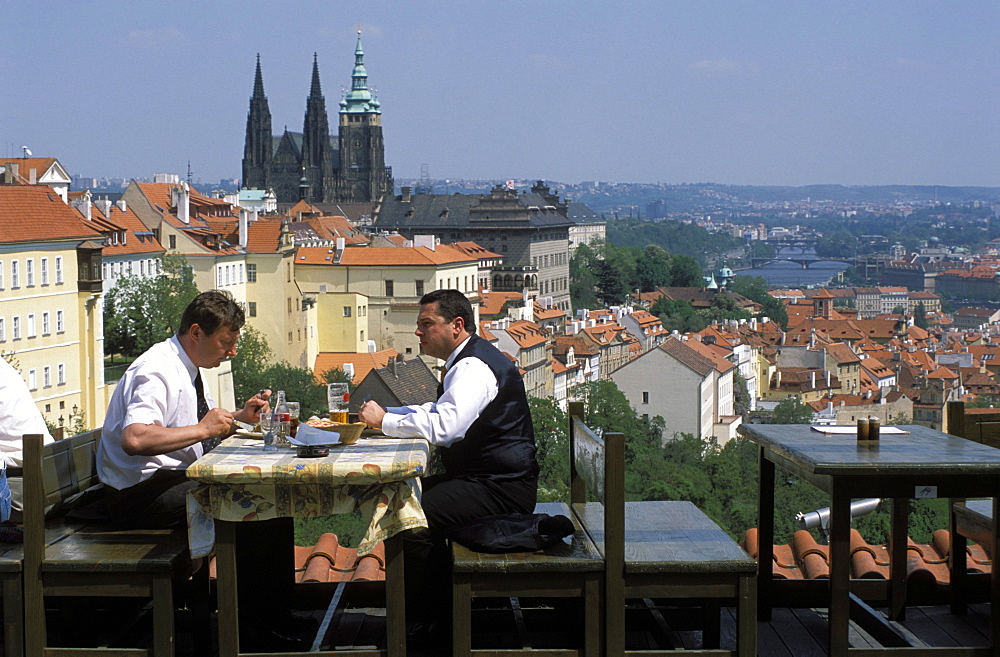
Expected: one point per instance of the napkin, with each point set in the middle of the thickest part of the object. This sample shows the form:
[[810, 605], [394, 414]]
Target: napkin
[[308, 436]]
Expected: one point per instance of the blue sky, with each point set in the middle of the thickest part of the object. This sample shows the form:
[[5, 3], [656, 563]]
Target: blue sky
[[760, 93]]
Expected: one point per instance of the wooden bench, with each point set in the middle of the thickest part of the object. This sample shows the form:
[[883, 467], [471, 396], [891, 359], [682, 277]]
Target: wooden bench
[[565, 570], [969, 520], [650, 550], [91, 559]]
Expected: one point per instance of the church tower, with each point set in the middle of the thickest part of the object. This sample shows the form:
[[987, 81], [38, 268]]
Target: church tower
[[257, 147], [317, 154], [363, 176]]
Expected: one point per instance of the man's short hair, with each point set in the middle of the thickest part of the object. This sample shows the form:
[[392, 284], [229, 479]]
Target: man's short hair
[[210, 310], [452, 304]]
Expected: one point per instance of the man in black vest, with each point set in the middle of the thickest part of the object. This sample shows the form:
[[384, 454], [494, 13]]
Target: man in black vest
[[481, 424]]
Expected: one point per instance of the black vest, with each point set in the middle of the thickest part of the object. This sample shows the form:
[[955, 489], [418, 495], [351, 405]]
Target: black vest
[[500, 444]]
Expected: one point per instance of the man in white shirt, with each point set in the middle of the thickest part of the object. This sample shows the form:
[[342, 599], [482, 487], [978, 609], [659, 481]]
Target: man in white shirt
[[158, 418], [18, 416]]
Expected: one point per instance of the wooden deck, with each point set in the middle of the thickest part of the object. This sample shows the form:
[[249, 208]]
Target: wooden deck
[[790, 633]]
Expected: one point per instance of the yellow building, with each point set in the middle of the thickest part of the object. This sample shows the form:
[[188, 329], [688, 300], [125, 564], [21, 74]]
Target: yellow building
[[51, 326]]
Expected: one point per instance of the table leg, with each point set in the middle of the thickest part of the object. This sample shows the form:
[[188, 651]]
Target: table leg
[[765, 536], [897, 557], [395, 598], [225, 564], [840, 569]]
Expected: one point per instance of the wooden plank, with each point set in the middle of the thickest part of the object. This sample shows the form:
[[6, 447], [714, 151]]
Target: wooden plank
[[927, 629]]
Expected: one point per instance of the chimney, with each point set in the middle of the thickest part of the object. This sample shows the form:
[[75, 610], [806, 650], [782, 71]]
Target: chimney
[[32, 176], [392, 368], [828, 378], [812, 379], [349, 370], [244, 228], [180, 198], [122, 205], [104, 205], [407, 194], [11, 174], [341, 244], [83, 205]]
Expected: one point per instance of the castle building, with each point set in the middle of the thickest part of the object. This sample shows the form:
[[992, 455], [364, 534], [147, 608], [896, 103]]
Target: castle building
[[314, 165]]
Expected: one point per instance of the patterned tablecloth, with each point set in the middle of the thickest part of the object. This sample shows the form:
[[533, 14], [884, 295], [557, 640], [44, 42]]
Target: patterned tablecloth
[[378, 476]]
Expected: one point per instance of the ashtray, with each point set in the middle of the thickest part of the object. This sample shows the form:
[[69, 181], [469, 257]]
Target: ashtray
[[312, 451]]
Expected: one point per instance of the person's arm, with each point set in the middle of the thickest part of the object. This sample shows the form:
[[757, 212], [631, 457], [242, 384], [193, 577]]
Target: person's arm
[[140, 439], [254, 408], [470, 386]]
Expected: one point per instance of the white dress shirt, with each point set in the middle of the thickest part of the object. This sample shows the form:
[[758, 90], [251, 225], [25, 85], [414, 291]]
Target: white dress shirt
[[156, 389], [469, 386], [18, 415]]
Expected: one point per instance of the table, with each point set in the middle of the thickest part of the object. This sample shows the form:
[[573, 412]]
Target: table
[[245, 483], [923, 463]]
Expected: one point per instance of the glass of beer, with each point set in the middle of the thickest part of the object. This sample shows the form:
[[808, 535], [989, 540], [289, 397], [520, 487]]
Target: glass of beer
[[293, 412]]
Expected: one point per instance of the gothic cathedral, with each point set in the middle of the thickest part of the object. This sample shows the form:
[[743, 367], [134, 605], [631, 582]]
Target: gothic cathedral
[[313, 164]]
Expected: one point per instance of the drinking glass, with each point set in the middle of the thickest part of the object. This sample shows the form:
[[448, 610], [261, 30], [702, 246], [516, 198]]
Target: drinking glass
[[293, 412]]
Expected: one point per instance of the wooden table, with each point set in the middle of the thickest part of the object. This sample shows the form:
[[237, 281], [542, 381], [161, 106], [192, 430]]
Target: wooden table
[[923, 463], [375, 475]]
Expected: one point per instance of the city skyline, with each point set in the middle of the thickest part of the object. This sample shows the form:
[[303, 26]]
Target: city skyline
[[774, 93]]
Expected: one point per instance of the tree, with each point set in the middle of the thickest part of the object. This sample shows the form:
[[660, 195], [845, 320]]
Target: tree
[[678, 315], [612, 286], [652, 268], [141, 311], [920, 315], [685, 272], [253, 356], [552, 441], [791, 411], [583, 277]]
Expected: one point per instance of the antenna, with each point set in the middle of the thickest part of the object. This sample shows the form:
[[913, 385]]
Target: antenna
[[189, 173], [26, 151]]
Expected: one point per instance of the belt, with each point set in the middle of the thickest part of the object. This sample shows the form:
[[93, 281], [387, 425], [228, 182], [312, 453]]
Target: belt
[[15, 472]]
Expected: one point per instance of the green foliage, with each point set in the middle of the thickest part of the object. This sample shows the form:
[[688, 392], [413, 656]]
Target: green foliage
[[349, 528], [686, 272], [253, 371], [141, 311], [552, 440], [672, 236], [761, 249], [253, 355], [678, 315], [920, 315], [583, 277], [652, 269], [755, 289], [791, 411]]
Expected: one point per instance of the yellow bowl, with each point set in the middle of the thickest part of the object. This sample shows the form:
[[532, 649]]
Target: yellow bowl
[[349, 432]]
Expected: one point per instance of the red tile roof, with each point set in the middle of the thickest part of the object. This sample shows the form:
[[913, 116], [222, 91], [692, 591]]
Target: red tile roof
[[328, 561], [363, 363], [36, 213]]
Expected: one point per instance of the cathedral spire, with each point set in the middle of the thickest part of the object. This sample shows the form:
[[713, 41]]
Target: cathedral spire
[[258, 82], [315, 91], [257, 147]]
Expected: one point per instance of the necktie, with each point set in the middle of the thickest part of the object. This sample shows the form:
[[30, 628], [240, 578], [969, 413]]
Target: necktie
[[208, 444]]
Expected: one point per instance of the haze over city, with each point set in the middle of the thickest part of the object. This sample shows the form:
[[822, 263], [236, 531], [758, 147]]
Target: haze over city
[[767, 93]]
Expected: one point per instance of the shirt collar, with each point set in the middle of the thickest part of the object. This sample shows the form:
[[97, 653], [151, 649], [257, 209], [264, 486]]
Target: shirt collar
[[192, 369], [451, 357]]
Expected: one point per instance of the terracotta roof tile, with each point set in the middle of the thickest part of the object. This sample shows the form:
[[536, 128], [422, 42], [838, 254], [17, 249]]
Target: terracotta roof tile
[[363, 363], [36, 213]]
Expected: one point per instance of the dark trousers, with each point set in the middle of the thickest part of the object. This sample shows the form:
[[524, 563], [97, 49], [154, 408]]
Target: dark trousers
[[154, 503], [450, 503]]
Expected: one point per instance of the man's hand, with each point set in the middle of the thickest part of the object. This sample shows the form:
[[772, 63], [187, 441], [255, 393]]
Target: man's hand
[[254, 408], [371, 414], [216, 423]]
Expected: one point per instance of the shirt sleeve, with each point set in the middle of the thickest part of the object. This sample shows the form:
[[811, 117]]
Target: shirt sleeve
[[469, 386], [146, 405]]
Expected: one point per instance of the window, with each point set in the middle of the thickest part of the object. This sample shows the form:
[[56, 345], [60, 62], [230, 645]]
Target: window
[[251, 272], [15, 274], [59, 270], [17, 327], [45, 323], [173, 241], [218, 276], [61, 374], [29, 272], [31, 325], [362, 336], [347, 311], [1, 274], [288, 272], [420, 288], [3, 330], [289, 337], [32, 379], [60, 327], [241, 273], [45, 271], [47, 376], [289, 304], [645, 398], [389, 288], [252, 307]]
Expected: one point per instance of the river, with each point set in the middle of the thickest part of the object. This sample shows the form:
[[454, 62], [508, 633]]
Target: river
[[783, 273]]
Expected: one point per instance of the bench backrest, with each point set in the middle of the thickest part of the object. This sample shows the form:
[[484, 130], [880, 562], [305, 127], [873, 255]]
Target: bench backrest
[[981, 425], [53, 473], [597, 466]]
